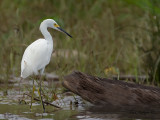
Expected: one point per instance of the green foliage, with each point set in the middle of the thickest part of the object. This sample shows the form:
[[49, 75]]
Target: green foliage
[[105, 33], [152, 57], [151, 6]]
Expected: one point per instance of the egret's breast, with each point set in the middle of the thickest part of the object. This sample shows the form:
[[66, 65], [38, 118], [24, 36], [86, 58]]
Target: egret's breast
[[37, 56]]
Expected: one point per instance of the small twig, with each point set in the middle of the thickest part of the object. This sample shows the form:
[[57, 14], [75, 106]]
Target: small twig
[[155, 68], [129, 77], [47, 103]]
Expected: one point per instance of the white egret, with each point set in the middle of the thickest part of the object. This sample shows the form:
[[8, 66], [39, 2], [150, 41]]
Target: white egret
[[38, 54]]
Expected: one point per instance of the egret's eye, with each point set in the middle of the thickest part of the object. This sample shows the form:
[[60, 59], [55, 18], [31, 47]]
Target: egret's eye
[[55, 25]]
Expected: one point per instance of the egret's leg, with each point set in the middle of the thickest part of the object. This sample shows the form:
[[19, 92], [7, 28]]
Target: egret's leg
[[40, 93], [32, 95], [41, 71], [19, 84]]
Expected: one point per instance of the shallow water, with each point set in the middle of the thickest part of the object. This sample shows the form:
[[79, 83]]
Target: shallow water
[[72, 106], [23, 112]]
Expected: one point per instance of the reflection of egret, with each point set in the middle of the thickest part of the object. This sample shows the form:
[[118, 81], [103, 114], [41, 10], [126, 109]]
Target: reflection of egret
[[37, 55]]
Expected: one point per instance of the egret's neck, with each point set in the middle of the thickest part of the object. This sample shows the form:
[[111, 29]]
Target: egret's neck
[[46, 34]]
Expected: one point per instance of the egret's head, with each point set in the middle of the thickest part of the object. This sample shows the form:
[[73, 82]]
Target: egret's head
[[52, 24]]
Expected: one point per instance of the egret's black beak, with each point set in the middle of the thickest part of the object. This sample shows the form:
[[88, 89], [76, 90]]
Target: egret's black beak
[[64, 31]]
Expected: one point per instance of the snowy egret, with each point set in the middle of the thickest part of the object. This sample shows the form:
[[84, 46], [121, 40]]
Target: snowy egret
[[38, 54]]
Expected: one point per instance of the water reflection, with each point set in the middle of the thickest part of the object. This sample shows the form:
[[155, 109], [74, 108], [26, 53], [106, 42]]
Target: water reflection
[[122, 113]]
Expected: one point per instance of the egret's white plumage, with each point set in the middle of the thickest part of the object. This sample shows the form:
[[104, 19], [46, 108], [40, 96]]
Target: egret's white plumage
[[37, 55]]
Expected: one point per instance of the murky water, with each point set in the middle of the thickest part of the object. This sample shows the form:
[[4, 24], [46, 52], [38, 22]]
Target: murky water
[[14, 104]]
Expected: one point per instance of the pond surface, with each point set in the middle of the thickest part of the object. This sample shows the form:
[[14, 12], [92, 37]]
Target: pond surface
[[15, 104]]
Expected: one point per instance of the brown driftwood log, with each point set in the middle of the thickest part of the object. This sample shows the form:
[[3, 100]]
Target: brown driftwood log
[[104, 91]]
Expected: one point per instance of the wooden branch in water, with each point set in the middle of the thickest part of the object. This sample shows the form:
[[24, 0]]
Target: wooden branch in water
[[47, 103], [104, 91]]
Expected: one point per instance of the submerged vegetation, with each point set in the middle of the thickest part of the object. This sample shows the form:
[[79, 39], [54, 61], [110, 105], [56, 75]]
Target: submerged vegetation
[[123, 34]]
